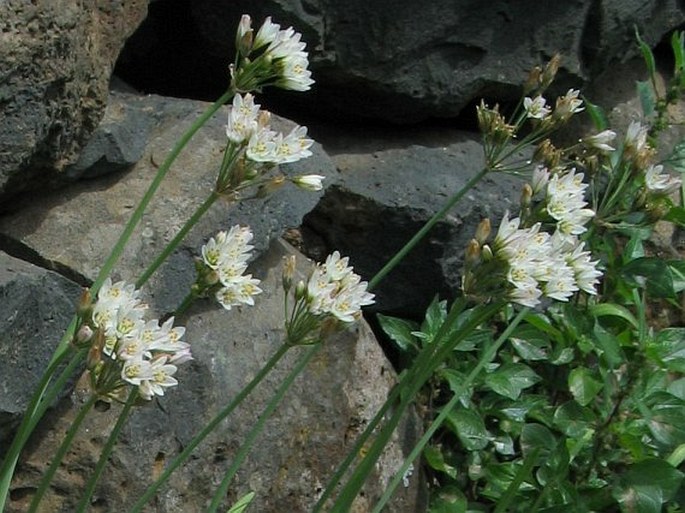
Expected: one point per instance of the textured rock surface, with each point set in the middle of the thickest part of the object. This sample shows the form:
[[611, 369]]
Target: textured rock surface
[[77, 228], [328, 405], [36, 306], [386, 195], [399, 61], [56, 58]]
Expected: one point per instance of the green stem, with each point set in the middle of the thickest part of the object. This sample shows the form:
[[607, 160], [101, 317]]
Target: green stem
[[152, 489], [392, 263], [173, 244], [398, 390], [59, 455], [363, 469], [39, 404], [106, 451], [245, 447], [484, 360]]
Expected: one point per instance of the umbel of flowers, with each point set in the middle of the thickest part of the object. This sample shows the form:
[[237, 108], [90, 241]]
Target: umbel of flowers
[[538, 254], [220, 271], [328, 300], [254, 149], [125, 348]]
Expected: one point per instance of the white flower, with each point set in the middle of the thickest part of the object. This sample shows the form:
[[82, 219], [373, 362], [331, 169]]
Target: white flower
[[565, 202], [584, 269], [540, 179], [136, 370], [160, 376], [528, 295], [568, 105], [601, 140], [292, 147], [636, 136], [262, 146], [294, 72], [535, 107], [242, 119], [266, 33], [660, 183], [240, 291], [309, 182]]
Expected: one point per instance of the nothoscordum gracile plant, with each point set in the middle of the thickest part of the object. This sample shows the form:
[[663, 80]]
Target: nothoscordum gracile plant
[[121, 348]]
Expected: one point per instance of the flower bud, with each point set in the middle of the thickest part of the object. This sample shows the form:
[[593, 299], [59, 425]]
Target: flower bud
[[271, 186], [83, 335], [300, 290], [244, 36], [486, 253], [550, 71], [309, 182], [472, 256], [85, 304], [483, 231], [288, 272], [533, 81], [526, 196]]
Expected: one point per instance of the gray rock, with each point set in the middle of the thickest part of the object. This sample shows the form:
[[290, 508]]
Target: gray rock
[[119, 140], [36, 306], [402, 62], [384, 197], [76, 228], [55, 66], [328, 405]]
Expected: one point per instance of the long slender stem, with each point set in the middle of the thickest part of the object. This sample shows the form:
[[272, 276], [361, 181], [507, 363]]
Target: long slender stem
[[178, 238], [59, 455], [107, 451], [152, 489], [35, 410], [356, 481], [245, 447], [392, 263], [485, 359]]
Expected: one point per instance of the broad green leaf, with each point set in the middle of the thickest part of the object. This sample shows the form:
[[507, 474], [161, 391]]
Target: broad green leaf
[[531, 343], [510, 379], [400, 332], [676, 159], [583, 386], [469, 427], [573, 420], [677, 388], [449, 499], [435, 316], [537, 437], [562, 356], [656, 274], [608, 346], [504, 444], [666, 419], [242, 503], [669, 348], [634, 248], [646, 95], [677, 457], [676, 215], [498, 477], [436, 460], [646, 485], [456, 380]]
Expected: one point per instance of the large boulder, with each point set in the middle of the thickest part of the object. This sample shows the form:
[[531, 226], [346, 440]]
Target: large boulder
[[397, 60], [56, 60]]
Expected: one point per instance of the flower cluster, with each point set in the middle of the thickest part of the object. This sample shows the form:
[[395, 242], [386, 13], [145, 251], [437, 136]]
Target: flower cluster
[[271, 57], [565, 107], [141, 353], [254, 148], [563, 196], [538, 263], [333, 295], [532, 261], [220, 272]]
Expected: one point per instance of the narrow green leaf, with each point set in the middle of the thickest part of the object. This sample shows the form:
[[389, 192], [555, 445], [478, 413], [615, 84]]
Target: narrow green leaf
[[583, 386], [677, 269], [597, 115], [400, 332], [614, 310], [646, 96], [677, 45], [647, 54], [242, 503], [510, 379]]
